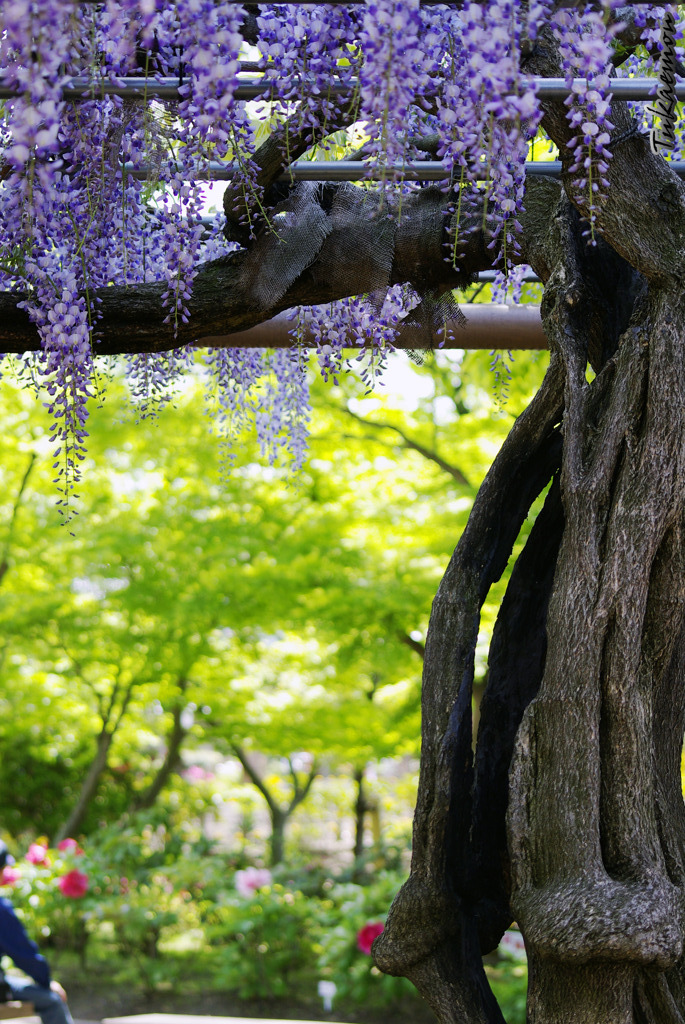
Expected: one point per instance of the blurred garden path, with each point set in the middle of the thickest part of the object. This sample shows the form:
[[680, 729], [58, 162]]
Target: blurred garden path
[[176, 1018], [182, 1018]]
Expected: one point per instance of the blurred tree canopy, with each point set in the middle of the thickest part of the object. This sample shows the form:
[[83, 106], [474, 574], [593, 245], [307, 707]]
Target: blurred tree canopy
[[234, 605]]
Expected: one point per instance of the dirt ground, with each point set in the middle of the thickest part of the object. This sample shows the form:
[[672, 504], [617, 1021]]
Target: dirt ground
[[87, 1004]]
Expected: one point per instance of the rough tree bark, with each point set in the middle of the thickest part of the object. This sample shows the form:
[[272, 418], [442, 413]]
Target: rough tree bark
[[569, 817]]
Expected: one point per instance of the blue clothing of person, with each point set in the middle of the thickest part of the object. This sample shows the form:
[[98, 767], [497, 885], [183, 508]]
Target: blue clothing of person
[[49, 1006], [15, 943]]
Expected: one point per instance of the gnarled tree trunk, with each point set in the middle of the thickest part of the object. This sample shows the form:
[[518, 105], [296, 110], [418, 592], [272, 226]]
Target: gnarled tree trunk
[[585, 687], [569, 819]]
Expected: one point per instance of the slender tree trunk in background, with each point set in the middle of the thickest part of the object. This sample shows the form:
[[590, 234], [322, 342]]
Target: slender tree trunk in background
[[277, 840], [278, 813], [72, 825], [112, 711], [9, 537], [174, 742], [170, 764], [360, 809]]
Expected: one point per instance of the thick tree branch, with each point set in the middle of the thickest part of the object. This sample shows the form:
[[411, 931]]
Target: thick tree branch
[[226, 292], [286, 143], [630, 35], [515, 664]]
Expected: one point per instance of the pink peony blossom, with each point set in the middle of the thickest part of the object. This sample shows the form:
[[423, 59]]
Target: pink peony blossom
[[74, 884], [367, 934], [10, 876], [37, 854], [248, 881], [70, 846]]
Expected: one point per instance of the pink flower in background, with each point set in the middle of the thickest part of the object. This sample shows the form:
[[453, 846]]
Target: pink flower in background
[[37, 854], [248, 881], [367, 934], [70, 846], [74, 884], [195, 773], [10, 876], [512, 944]]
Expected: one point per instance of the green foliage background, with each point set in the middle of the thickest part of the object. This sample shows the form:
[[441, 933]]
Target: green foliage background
[[287, 615]]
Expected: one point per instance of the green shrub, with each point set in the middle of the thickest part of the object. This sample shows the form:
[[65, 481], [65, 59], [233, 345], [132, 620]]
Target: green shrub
[[135, 888], [267, 944], [162, 899], [53, 892], [509, 981], [350, 907]]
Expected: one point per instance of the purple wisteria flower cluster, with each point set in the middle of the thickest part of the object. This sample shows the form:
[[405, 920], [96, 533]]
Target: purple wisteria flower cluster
[[585, 43], [394, 79], [393, 76], [303, 50]]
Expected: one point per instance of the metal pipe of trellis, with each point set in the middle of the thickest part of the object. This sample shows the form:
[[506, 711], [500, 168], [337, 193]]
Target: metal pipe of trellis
[[596, 4], [356, 170], [489, 275], [488, 326], [253, 88]]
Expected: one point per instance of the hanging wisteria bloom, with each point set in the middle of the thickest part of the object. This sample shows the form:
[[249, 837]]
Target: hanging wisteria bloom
[[585, 45], [117, 116], [487, 113], [392, 76]]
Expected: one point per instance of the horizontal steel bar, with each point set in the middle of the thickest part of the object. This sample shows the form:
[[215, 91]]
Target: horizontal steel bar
[[621, 88], [354, 170], [168, 88], [595, 4], [321, 170], [486, 276], [139, 88], [488, 326]]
